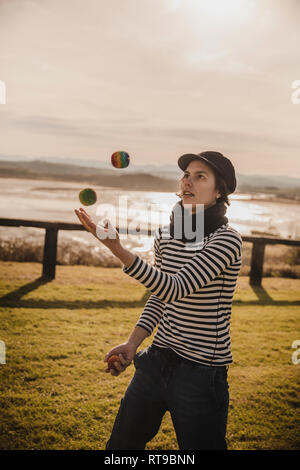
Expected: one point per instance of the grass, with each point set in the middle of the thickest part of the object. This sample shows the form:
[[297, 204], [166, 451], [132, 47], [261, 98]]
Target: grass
[[55, 394]]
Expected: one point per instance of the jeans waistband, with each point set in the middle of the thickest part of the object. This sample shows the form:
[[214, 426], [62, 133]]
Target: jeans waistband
[[175, 358]]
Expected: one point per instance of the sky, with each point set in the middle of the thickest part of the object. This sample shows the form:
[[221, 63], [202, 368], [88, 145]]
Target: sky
[[155, 78]]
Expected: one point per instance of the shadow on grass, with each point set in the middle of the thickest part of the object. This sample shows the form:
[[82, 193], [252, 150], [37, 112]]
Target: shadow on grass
[[263, 298], [262, 295], [14, 299], [21, 291]]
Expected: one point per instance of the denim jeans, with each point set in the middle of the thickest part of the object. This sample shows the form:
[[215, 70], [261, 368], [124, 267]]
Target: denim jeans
[[196, 396]]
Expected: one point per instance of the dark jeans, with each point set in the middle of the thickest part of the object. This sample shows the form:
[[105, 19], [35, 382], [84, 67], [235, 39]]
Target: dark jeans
[[196, 396]]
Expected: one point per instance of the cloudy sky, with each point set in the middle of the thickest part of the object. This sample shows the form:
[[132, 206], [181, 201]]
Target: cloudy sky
[[156, 78]]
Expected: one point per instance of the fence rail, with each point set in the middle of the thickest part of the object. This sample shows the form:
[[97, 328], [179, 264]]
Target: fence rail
[[52, 228]]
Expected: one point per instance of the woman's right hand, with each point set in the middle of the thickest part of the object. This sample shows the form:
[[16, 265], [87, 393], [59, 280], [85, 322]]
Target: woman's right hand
[[126, 353]]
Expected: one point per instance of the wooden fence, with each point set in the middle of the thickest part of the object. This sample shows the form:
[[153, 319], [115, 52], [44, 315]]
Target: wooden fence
[[52, 228]]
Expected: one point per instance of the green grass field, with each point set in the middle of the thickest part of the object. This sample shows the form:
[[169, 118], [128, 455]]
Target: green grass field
[[55, 394]]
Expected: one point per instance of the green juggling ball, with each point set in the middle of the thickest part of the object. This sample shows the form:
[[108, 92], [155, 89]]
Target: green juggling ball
[[87, 197]]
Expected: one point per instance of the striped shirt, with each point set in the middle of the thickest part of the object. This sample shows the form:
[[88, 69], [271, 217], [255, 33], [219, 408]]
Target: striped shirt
[[192, 287]]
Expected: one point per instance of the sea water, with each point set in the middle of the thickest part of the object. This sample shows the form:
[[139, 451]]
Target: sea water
[[55, 201]]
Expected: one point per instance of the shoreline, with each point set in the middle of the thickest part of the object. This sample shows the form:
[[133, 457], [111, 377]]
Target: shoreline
[[274, 199], [69, 182]]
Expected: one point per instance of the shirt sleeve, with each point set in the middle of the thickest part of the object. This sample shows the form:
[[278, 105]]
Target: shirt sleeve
[[154, 307], [220, 252]]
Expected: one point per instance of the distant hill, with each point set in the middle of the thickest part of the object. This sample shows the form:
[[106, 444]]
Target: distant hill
[[136, 177], [279, 181], [39, 169]]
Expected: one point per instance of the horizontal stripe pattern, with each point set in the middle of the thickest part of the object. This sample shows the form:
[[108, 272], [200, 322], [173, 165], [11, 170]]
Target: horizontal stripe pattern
[[192, 287]]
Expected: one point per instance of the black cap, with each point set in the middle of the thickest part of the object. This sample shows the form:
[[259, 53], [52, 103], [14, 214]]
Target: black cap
[[217, 161]]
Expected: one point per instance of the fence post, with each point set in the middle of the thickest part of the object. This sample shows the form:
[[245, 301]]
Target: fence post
[[257, 262], [50, 251]]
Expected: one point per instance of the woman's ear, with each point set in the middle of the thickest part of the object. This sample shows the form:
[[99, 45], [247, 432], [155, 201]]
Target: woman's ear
[[218, 195]]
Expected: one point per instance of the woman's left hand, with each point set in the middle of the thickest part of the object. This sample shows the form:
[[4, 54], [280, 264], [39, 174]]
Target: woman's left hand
[[108, 235]]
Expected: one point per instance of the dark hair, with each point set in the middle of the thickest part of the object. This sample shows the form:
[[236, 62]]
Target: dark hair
[[222, 187]]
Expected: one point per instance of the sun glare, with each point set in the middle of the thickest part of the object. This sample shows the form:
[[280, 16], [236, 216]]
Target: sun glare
[[219, 11]]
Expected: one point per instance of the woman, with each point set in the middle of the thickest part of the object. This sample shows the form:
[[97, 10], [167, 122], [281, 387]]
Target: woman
[[192, 285]]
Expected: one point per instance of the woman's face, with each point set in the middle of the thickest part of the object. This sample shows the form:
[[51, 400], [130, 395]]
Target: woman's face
[[197, 186]]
